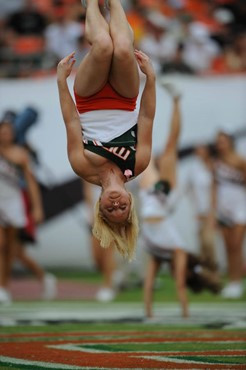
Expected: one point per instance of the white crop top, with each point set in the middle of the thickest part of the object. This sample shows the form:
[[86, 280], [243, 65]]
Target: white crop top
[[106, 125]]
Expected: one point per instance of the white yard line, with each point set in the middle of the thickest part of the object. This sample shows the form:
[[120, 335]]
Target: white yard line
[[231, 314]]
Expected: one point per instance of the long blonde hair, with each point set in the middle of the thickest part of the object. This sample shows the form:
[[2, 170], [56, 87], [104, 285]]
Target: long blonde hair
[[122, 236]]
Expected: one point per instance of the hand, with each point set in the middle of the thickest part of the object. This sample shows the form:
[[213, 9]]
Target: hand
[[144, 63], [65, 66]]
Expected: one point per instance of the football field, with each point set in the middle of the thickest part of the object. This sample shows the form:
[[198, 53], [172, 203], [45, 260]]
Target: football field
[[75, 335]]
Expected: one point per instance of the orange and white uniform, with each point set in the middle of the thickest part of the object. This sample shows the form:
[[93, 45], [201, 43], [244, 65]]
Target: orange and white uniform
[[106, 115]]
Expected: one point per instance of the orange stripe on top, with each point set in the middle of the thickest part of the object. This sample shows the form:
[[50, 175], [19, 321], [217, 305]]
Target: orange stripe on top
[[107, 98]]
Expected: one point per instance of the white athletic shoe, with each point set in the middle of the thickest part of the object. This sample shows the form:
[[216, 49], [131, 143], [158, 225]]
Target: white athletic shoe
[[49, 287], [105, 295], [232, 290], [5, 297], [171, 89]]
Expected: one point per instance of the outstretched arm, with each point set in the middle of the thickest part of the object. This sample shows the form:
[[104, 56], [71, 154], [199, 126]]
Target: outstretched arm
[[75, 146], [32, 187], [146, 113], [168, 158], [150, 175]]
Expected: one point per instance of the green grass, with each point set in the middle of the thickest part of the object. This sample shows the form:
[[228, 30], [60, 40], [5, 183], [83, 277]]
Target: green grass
[[157, 331], [166, 347], [166, 291]]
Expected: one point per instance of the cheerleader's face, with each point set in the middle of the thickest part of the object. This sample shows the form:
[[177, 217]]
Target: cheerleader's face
[[223, 143], [6, 134], [115, 205]]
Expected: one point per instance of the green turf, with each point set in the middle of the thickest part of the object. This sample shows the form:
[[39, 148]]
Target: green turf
[[188, 330], [20, 329], [166, 291], [165, 347], [214, 359], [142, 331]]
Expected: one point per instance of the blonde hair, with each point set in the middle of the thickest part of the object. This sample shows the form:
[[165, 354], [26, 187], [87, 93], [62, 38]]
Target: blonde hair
[[122, 236]]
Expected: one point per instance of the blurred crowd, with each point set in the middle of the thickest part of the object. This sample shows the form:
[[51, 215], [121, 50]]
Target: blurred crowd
[[180, 36]]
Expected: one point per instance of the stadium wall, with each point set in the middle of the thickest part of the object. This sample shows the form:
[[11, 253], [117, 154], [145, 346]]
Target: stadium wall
[[208, 104]]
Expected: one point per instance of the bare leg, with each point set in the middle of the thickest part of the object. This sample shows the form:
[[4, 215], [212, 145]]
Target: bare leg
[[207, 247], [97, 253], [228, 236], [108, 267], [2, 257], [124, 75], [168, 158], [236, 255], [93, 71], [10, 251], [28, 262], [104, 259], [180, 262], [152, 270]]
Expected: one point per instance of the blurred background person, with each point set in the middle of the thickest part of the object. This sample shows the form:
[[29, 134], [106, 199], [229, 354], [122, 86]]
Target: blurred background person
[[13, 159], [27, 187], [158, 42], [235, 54], [162, 238], [199, 186], [104, 258], [62, 35], [199, 49], [27, 234], [24, 41], [230, 201]]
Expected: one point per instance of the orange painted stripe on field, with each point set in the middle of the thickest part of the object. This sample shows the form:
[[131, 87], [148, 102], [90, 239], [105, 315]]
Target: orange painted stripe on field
[[37, 351]]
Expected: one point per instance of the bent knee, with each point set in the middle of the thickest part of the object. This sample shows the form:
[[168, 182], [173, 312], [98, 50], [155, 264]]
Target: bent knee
[[103, 48], [123, 50]]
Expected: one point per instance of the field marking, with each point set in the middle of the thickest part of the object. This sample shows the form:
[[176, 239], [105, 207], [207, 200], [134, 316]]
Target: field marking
[[73, 347], [232, 314], [212, 359], [183, 361], [18, 361]]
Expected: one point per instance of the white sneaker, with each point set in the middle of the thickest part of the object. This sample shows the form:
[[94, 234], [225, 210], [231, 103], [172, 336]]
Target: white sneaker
[[5, 297], [49, 287], [232, 290], [171, 89], [105, 295]]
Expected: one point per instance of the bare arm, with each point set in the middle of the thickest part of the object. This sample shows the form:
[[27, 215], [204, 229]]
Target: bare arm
[[75, 145], [168, 157], [244, 168], [149, 176], [213, 201], [32, 187], [146, 113]]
